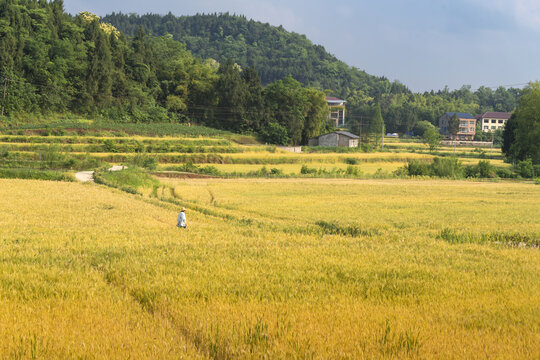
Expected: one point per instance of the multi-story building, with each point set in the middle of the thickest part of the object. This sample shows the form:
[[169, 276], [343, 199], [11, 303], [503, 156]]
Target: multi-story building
[[467, 126], [491, 121], [337, 111]]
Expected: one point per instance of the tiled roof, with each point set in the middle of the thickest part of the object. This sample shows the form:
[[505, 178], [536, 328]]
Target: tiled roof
[[461, 115], [496, 115], [331, 98], [348, 134]]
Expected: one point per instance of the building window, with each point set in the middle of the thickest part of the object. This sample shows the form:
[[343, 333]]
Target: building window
[[501, 121], [486, 127], [493, 121], [493, 127], [486, 121]]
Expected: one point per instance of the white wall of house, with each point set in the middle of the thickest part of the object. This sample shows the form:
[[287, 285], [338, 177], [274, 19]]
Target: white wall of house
[[492, 124]]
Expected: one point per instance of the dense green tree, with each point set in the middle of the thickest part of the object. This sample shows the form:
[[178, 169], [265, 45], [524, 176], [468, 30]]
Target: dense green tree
[[432, 138], [300, 110], [376, 127], [453, 125], [509, 146], [522, 131], [275, 133], [256, 115], [316, 114], [232, 94], [421, 127], [56, 63], [286, 101]]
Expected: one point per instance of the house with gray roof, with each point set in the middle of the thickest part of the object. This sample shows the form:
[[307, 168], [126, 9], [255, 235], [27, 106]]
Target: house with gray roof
[[467, 126], [336, 138]]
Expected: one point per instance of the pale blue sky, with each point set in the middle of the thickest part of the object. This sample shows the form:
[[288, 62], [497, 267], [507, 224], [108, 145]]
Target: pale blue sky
[[425, 44]]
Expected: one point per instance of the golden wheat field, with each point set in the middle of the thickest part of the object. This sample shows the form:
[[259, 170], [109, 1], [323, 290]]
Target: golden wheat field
[[280, 269]]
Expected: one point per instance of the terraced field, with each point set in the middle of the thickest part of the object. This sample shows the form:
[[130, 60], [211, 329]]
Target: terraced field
[[73, 152]]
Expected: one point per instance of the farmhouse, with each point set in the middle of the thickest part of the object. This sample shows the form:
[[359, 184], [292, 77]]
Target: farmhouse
[[492, 121], [467, 126], [336, 138], [337, 111]]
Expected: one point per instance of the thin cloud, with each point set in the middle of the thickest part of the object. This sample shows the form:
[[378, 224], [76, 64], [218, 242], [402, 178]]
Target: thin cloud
[[524, 12], [273, 14]]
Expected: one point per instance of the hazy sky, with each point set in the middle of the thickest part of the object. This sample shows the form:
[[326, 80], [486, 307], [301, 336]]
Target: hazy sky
[[425, 44]]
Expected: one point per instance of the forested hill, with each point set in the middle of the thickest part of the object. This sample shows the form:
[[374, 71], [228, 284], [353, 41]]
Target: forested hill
[[55, 63], [276, 53], [273, 51]]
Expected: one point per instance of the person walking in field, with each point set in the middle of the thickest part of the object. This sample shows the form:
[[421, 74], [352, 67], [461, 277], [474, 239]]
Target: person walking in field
[[181, 221]]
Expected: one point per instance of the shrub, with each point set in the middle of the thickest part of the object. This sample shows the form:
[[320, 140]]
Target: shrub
[[262, 172], [485, 169], [189, 167], [144, 161], [447, 167], [307, 170], [418, 168], [366, 147], [401, 172], [210, 170], [505, 173], [525, 169], [275, 133], [352, 161], [110, 146], [353, 171], [441, 167]]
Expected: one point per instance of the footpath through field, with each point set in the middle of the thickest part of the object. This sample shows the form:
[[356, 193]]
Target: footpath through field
[[88, 176]]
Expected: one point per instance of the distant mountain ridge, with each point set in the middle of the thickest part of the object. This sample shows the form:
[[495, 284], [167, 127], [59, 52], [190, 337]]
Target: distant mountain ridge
[[273, 51]]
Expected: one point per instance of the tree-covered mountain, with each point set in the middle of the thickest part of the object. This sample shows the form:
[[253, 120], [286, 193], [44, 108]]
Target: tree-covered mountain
[[273, 51], [276, 53]]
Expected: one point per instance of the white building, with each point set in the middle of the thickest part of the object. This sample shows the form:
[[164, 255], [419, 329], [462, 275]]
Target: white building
[[491, 121]]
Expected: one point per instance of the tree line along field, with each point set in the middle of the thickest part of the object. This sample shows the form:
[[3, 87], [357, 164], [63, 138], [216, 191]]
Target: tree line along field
[[284, 268]]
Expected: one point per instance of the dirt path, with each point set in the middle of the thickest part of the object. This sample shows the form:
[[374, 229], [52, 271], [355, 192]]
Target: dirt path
[[88, 176], [85, 176]]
